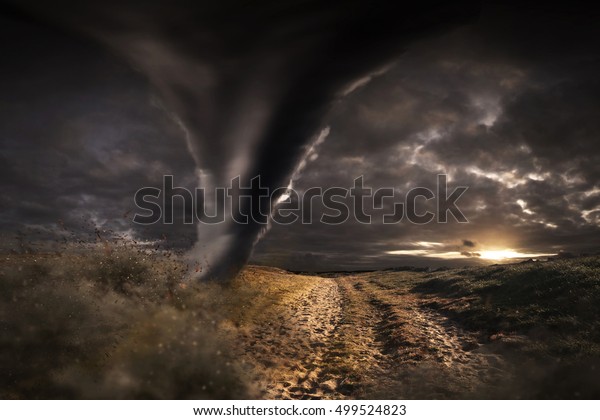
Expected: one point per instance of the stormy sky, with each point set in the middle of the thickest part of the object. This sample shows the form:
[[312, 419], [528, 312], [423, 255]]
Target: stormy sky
[[503, 99]]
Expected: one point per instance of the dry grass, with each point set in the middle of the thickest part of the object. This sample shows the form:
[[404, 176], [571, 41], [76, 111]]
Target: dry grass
[[99, 325], [127, 324]]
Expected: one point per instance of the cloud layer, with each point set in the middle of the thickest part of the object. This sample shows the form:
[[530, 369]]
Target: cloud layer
[[506, 105]]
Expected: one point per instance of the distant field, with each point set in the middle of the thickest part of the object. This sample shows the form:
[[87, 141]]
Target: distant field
[[125, 324]]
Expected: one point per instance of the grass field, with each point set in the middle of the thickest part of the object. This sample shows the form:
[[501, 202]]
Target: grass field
[[128, 324]]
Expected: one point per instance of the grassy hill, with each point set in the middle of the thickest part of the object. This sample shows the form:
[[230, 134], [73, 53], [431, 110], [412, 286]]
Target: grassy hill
[[544, 316]]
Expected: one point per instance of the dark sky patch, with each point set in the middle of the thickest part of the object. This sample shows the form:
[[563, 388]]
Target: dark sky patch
[[504, 100]]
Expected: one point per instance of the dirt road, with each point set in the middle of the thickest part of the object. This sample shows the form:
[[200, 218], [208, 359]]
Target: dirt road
[[353, 337]]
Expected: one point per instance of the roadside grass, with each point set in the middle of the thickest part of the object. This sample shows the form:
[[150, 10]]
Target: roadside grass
[[129, 324], [123, 324], [555, 303], [544, 316]]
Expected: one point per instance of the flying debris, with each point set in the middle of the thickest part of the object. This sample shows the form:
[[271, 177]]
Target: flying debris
[[250, 84]]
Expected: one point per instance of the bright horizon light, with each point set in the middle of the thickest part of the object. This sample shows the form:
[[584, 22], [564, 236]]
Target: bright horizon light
[[505, 254], [430, 251]]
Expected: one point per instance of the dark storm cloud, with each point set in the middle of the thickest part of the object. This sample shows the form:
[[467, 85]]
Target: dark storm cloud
[[251, 84], [506, 105], [79, 136], [509, 115]]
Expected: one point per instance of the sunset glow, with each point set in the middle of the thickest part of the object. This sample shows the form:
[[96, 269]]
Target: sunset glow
[[505, 254]]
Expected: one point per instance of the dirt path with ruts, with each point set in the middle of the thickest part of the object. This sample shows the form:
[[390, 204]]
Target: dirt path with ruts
[[288, 352], [352, 337]]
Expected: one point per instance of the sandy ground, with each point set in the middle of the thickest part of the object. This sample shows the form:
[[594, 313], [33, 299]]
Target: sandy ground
[[351, 337], [287, 353]]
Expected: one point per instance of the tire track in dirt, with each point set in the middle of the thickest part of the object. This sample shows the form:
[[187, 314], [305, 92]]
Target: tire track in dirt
[[355, 337], [367, 357], [440, 359], [287, 353]]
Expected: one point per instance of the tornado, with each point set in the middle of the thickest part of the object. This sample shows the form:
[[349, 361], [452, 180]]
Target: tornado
[[250, 83]]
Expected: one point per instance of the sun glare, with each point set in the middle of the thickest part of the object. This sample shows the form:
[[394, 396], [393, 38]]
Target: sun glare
[[505, 254]]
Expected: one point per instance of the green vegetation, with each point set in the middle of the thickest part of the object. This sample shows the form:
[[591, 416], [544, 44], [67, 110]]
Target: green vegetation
[[542, 316], [555, 303]]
